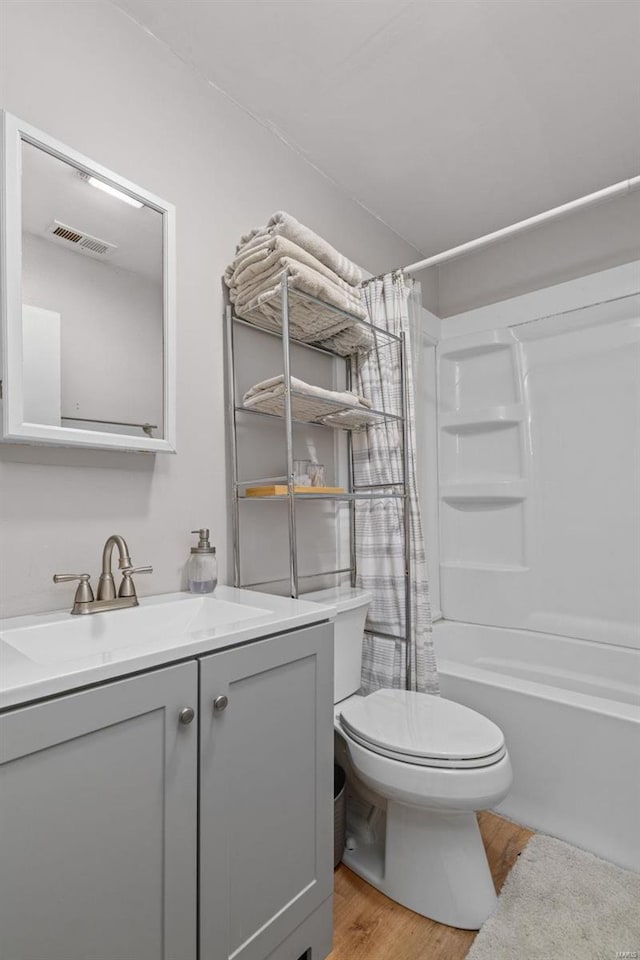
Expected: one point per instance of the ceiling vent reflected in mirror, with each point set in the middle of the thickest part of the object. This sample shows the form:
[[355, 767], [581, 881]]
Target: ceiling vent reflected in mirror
[[82, 242]]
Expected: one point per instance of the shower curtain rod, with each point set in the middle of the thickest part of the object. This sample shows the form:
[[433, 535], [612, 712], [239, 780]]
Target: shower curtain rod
[[624, 186]]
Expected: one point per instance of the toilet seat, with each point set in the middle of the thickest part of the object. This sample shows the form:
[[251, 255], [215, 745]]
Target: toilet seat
[[419, 729]]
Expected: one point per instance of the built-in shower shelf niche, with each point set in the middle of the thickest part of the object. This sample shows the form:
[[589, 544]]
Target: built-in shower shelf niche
[[482, 529], [482, 450], [457, 421], [484, 567], [483, 469], [484, 493], [476, 372], [477, 344]]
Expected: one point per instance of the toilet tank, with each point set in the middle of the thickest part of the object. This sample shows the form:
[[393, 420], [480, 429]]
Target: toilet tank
[[351, 604]]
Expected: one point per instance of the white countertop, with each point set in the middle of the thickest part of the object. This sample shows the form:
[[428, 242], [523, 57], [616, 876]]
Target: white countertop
[[68, 664]]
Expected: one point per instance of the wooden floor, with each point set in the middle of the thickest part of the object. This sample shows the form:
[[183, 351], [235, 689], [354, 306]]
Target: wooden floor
[[368, 926]]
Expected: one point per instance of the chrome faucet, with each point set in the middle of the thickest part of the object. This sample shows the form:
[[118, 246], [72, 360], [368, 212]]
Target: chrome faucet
[[106, 585], [84, 601]]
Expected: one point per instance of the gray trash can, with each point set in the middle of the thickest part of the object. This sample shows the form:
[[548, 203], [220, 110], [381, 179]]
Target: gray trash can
[[339, 813]]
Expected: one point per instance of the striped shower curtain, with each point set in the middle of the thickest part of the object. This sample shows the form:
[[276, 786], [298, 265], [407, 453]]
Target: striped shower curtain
[[378, 459]]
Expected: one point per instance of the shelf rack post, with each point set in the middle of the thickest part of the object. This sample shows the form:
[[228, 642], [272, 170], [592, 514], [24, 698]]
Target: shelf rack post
[[350, 469], [288, 419], [406, 506], [233, 445]]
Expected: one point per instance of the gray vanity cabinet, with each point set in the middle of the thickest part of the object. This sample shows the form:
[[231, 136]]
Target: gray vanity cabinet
[[98, 803], [99, 819], [266, 788]]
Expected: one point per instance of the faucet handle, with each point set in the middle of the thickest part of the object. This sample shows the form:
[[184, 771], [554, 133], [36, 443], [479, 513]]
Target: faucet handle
[[84, 593], [127, 587]]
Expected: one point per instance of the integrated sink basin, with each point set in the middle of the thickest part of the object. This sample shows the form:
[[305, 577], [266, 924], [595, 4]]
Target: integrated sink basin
[[44, 654], [61, 638]]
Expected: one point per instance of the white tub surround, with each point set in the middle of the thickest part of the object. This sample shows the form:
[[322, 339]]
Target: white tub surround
[[570, 713], [540, 548], [46, 654], [538, 467]]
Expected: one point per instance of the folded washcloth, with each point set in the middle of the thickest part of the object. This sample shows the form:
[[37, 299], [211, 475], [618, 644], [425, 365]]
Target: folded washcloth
[[274, 387], [284, 225]]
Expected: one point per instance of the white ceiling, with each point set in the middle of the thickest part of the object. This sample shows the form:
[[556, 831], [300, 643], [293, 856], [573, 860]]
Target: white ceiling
[[445, 118], [52, 189]]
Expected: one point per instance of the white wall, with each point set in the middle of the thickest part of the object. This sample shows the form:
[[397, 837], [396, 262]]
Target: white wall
[[597, 238], [110, 329], [89, 76]]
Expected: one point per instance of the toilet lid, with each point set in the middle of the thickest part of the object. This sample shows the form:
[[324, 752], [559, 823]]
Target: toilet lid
[[421, 729]]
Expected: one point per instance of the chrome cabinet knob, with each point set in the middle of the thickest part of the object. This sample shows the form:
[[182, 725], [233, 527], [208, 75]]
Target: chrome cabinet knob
[[186, 715], [220, 704]]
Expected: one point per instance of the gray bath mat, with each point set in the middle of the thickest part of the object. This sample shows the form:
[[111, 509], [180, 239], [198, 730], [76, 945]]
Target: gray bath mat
[[560, 903]]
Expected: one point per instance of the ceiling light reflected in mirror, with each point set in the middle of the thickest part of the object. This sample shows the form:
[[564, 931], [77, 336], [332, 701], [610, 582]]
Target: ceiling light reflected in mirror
[[111, 190]]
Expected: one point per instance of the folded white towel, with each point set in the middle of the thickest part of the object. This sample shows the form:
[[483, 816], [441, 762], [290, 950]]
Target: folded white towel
[[315, 268], [284, 225], [274, 387], [268, 254], [307, 322], [356, 419], [301, 277], [310, 323], [350, 340]]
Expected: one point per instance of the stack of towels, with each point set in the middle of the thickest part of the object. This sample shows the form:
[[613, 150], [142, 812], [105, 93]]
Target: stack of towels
[[310, 403], [315, 268]]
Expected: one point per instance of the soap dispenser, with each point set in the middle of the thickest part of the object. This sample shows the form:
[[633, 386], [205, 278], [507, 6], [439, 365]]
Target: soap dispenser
[[202, 569]]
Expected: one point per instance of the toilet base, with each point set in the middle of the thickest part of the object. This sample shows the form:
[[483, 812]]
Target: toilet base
[[431, 861]]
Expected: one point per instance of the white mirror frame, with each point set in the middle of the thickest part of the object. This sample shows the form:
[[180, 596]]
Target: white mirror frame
[[14, 427]]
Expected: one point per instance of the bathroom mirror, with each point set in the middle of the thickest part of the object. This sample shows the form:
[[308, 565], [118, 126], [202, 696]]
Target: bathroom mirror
[[88, 301]]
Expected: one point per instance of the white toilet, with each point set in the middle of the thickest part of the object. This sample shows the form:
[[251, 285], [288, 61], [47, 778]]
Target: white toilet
[[418, 767]]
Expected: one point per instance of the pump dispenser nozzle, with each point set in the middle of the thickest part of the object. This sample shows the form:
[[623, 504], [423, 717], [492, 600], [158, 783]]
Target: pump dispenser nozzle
[[203, 543]]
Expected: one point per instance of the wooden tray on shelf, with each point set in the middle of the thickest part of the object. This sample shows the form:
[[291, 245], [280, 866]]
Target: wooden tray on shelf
[[281, 490]]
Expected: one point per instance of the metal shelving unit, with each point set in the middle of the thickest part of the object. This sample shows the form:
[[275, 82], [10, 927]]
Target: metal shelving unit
[[397, 490]]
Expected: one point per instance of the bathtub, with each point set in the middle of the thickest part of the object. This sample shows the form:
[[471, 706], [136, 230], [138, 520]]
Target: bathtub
[[570, 712]]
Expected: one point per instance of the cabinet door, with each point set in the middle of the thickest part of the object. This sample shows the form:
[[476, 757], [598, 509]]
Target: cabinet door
[[266, 801], [98, 823]]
